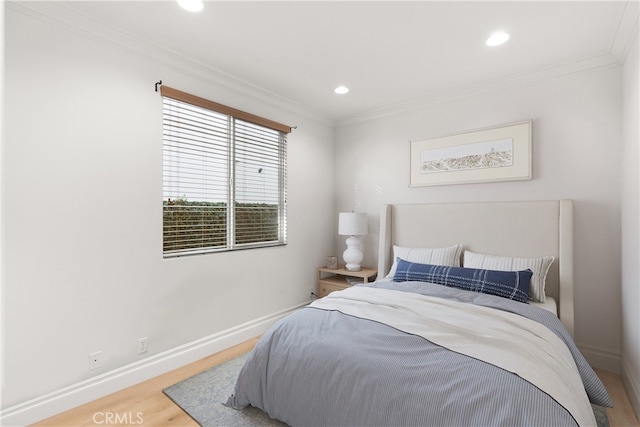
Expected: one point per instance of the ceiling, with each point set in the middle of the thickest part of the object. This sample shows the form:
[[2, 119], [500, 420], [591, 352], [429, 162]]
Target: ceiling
[[389, 53]]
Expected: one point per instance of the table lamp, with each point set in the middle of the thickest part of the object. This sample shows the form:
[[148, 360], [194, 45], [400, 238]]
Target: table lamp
[[352, 224]]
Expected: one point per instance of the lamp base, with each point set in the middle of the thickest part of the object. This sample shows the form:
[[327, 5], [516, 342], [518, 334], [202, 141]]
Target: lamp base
[[353, 255]]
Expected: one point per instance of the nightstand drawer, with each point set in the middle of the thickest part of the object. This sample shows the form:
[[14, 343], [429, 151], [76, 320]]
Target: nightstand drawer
[[325, 288]]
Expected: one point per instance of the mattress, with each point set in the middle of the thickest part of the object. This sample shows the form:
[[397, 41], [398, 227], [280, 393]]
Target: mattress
[[549, 304]]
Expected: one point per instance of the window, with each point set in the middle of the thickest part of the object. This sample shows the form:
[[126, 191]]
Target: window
[[224, 177]]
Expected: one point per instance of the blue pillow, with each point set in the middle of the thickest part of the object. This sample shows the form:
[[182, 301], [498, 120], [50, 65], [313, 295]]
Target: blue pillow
[[507, 284]]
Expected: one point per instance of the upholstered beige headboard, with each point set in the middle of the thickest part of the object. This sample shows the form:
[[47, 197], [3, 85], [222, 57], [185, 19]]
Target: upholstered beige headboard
[[519, 229]]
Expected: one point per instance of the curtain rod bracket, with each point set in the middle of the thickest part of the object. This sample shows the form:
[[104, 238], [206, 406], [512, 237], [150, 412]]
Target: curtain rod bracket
[[159, 82]]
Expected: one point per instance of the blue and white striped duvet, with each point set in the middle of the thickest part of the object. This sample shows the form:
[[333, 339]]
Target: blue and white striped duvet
[[325, 368]]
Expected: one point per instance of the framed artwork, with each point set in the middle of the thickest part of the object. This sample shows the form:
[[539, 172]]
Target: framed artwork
[[501, 153]]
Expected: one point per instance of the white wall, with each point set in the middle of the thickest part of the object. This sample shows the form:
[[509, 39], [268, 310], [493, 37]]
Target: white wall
[[577, 148], [82, 173], [630, 227]]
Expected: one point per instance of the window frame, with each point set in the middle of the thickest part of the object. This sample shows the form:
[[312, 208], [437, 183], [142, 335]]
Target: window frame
[[235, 119]]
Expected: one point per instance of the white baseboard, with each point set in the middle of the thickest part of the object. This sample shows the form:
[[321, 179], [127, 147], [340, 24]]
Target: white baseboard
[[601, 358], [632, 386], [86, 391]]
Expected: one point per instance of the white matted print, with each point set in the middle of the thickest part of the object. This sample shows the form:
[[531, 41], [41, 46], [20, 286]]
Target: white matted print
[[495, 154]]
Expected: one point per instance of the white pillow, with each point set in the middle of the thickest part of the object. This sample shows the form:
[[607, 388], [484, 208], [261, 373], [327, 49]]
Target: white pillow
[[539, 266], [449, 256]]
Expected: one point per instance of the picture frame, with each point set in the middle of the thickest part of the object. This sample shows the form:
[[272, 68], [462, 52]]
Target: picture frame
[[332, 262], [501, 153]]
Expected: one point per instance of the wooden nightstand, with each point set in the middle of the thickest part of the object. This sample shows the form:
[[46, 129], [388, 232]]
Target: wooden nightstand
[[336, 280]]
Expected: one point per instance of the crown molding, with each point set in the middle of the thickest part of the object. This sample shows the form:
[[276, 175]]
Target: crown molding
[[626, 30], [63, 15], [487, 87]]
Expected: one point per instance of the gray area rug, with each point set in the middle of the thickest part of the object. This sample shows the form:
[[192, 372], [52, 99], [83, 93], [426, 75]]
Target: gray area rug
[[202, 395], [601, 415]]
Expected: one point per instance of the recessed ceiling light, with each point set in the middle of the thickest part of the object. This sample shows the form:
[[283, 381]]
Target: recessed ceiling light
[[341, 90], [191, 5], [497, 38]]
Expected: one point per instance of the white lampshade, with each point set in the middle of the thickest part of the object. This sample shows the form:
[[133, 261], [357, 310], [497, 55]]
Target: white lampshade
[[352, 224]]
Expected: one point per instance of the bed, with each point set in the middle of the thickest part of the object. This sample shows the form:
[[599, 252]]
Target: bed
[[439, 338]]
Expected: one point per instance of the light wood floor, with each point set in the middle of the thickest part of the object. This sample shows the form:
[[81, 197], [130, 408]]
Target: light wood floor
[[145, 399], [145, 405]]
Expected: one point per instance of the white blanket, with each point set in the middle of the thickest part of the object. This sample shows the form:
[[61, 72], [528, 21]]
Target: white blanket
[[503, 339]]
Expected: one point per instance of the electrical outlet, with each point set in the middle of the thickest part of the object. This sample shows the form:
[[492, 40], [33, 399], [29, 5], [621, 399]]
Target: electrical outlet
[[95, 360], [142, 345]]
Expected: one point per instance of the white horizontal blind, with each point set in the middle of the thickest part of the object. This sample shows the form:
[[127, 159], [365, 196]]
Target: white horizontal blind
[[224, 182], [258, 194]]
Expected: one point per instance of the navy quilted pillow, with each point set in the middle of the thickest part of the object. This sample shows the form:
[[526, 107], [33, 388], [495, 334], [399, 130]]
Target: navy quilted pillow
[[507, 284]]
